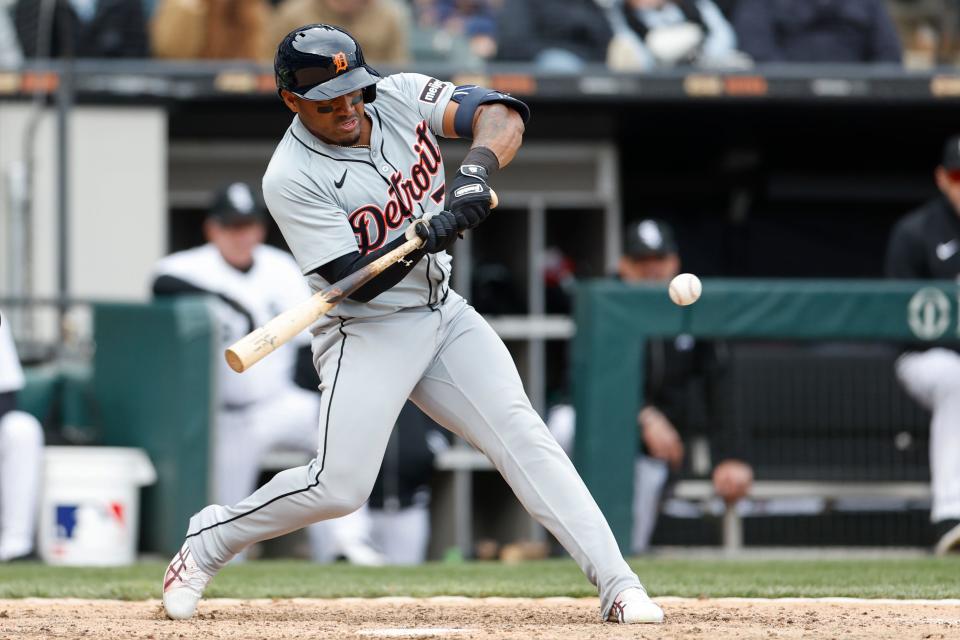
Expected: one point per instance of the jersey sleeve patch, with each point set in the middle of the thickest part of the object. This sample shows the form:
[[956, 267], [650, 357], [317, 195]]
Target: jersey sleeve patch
[[431, 91]]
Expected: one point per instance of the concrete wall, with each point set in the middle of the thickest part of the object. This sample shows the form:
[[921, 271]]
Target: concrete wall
[[117, 199]]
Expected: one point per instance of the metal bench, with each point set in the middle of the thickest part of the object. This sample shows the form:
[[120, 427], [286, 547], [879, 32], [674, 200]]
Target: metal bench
[[702, 491]]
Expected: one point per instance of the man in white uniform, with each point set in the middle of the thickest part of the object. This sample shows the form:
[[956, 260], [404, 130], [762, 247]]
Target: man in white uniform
[[252, 282], [264, 409], [21, 458], [357, 173]]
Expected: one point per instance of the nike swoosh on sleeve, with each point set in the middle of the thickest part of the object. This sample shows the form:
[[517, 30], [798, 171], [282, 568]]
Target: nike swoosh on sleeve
[[339, 183]]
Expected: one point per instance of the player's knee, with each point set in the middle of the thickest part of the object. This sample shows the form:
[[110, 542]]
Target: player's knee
[[931, 377], [942, 368], [20, 430], [346, 496], [951, 377], [345, 503]]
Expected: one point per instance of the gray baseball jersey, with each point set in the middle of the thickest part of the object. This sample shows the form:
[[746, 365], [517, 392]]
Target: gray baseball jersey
[[329, 200], [419, 340]]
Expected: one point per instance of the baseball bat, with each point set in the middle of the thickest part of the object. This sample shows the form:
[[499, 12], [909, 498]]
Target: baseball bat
[[262, 341]]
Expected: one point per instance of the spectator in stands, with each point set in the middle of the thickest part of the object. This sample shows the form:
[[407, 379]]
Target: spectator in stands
[[556, 35], [853, 31], [727, 7], [925, 245], [81, 28], [672, 32], [11, 56], [210, 29], [381, 26], [21, 459], [263, 408], [928, 30], [473, 20]]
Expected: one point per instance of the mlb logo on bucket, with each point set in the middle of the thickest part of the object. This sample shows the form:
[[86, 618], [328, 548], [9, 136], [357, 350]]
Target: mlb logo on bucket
[[110, 514], [87, 523]]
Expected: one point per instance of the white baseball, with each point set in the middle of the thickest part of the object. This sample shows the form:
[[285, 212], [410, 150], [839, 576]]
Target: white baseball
[[685, 289]]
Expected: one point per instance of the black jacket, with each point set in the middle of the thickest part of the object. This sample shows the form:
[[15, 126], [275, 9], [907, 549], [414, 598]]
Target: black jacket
[[117, 29], [925, 244], [816, 31], [683, 380], [526, 28]]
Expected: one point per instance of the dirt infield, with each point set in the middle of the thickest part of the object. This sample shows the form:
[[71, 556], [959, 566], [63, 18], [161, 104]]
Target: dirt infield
[[487, 618]]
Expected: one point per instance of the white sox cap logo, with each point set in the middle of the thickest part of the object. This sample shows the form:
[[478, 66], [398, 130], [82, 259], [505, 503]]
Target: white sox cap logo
[[467, 189], [947, 250]]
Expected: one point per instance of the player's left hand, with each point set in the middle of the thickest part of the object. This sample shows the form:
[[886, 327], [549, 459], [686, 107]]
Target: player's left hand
[[438, 233], [469, 199]]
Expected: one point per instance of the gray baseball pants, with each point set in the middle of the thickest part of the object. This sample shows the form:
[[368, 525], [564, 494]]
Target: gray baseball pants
[[457, 370]]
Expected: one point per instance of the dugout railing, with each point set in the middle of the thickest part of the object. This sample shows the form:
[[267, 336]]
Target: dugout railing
[[614, 322]]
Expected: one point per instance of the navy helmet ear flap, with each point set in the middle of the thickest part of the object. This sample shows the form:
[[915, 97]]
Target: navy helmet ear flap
[[370, 91]]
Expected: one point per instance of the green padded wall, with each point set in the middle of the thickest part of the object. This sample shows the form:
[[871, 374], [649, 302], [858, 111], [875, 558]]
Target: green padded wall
[[614, 320], [42, 387], [153, 387]]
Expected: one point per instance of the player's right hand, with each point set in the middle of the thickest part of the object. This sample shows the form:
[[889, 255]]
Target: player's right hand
[[438, 233]]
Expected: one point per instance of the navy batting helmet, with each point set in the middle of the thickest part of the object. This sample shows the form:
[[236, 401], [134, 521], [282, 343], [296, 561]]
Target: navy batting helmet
[[320, 62]]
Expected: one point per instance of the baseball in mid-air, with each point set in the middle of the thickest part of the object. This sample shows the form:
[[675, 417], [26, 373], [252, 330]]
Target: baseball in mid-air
[[685, 289]]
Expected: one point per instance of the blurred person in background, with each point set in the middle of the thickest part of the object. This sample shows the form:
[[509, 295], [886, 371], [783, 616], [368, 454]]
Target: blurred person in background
[[264, 408], [814, 31], [556, 35], [928, 30], [400, 501], [925, 245], [474, 21], [21, 459], [678, 405], [381, 26], [82, 28], [677, 398], [210, 29], [672, 32]]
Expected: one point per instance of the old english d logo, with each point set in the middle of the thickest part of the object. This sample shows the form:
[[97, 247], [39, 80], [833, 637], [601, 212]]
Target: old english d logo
[[340, 60]]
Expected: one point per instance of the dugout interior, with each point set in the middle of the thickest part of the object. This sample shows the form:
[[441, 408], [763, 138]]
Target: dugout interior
[[789, 173]]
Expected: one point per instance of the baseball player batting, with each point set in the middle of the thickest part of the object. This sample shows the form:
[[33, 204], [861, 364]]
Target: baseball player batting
[[357, 167]]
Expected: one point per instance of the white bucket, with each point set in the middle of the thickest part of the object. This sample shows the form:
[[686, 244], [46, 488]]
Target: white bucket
[[90, 509]]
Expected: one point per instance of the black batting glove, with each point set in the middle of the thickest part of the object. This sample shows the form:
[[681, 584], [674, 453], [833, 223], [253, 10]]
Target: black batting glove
[[438, 233], [469, 199]]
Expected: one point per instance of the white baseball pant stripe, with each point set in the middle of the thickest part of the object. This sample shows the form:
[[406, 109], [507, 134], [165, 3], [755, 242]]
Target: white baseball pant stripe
[[458, 371]]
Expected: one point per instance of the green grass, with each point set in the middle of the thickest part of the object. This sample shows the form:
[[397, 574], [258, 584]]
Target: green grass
[[894, 578]]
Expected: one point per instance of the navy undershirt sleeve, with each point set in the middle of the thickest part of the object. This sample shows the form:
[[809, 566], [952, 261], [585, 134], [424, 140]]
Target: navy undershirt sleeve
[[352, 262]]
